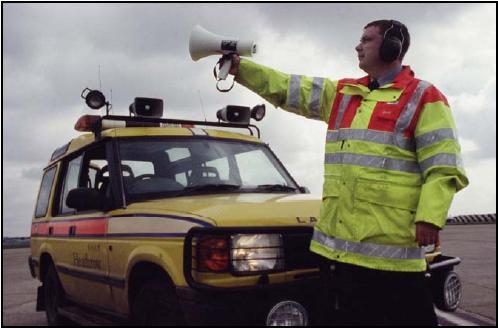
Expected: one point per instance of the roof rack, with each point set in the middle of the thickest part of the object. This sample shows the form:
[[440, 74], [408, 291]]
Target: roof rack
[[135, 121]]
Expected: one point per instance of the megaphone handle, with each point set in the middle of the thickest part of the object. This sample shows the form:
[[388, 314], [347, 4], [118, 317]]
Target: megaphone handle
[[224, 90], [225, 64], [224, 69]]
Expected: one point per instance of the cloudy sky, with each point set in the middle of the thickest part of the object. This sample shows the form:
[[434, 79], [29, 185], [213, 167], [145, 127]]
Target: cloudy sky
[[51, 52]]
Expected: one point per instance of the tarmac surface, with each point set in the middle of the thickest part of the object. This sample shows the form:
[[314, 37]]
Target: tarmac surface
[[476, 247], [474, 244]]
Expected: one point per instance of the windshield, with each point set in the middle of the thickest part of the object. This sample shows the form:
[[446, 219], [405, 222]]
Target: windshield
[[162, 167]]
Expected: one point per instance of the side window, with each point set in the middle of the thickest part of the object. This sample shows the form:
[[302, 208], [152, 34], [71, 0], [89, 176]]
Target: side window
[[97, 170], [89, 170], [70, 182], [92, 174], [44, 194]]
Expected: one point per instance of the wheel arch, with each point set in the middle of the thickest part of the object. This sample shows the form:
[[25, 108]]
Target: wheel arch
[[142, 271], [45, 261]]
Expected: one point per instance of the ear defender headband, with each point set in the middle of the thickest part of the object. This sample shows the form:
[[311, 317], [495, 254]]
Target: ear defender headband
[[392, 45]]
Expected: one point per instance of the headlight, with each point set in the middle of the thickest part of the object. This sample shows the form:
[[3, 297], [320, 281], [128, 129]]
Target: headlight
[[257, 252]]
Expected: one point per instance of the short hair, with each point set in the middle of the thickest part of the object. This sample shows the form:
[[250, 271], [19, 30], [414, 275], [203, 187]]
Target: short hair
[[384, 25]]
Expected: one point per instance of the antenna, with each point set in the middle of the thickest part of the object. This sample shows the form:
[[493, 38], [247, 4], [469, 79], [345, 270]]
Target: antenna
[[202, 106], [100, 80], [111, 100]]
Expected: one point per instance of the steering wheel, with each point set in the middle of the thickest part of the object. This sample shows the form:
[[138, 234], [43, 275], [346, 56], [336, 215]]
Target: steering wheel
[[127, 169], [124, 169], [144, 176]]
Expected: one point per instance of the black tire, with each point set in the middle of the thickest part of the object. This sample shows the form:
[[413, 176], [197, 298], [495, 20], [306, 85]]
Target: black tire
[[156, 304], [448, 291], [54, 298]]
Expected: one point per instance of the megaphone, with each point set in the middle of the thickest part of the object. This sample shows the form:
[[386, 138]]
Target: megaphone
[[204, 43]]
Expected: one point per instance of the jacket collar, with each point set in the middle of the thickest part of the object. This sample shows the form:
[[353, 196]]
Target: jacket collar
[[401, 80], [404, 78]]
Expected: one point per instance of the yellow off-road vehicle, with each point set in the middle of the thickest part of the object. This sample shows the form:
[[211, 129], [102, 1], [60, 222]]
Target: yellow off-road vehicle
[[156, 221], [152, 221]]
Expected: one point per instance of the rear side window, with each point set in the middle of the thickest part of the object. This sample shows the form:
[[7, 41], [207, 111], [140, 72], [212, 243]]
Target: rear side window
[[44, 194]]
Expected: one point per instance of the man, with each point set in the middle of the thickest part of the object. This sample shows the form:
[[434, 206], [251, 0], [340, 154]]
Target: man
[[392, 166]]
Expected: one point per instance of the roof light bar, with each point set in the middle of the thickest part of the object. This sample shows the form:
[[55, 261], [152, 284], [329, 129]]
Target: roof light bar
[[87, 122]]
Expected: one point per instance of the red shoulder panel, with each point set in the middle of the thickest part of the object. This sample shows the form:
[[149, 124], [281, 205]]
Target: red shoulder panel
[[431, 95]]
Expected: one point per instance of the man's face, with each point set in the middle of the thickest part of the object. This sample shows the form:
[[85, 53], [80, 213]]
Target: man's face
[[368, 48]]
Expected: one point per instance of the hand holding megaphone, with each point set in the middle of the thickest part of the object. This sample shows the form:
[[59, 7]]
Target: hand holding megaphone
[[235, 61], [203, 43]]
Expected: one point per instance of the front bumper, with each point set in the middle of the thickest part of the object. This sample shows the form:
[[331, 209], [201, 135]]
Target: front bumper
[[250, 307]]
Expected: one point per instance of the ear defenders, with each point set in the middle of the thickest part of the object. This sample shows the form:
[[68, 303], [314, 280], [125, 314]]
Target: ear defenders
[[392, 45]]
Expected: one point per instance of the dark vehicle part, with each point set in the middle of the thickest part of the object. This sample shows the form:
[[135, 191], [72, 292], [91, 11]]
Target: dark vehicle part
[[448, 291], [156, 304], [54, 297]]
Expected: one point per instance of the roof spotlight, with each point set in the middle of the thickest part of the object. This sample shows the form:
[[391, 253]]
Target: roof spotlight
[[93, 98], [258, 112]]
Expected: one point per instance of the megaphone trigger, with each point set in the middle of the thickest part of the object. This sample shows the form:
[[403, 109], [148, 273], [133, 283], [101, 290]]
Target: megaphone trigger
[[224, 63], [224, 69]]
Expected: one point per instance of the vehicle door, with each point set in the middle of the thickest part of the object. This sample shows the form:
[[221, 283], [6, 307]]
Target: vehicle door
[[79, 236]]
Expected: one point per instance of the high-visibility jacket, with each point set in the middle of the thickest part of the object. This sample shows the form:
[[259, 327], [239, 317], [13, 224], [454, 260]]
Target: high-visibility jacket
[[392, 159]]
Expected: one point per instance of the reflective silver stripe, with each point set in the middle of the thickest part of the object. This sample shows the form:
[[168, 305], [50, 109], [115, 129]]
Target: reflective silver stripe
[[294, 91], [410, 108], [342, 107], [381, 137], [372, 161], [434, 137], [442, 159], [332, 136], [368, 249], [315, 98]]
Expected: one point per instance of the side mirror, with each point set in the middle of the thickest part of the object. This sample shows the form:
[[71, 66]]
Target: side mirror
[[304, 189], [84, 198]]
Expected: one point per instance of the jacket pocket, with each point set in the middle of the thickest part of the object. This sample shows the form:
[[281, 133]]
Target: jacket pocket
[[388, 194], [386, 211]]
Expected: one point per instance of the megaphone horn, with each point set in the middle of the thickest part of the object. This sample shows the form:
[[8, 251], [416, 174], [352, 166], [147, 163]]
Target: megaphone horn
[[204, 43]]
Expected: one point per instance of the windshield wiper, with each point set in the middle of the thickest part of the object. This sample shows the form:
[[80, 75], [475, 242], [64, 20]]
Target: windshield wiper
[[276, 187], [209, 188]]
